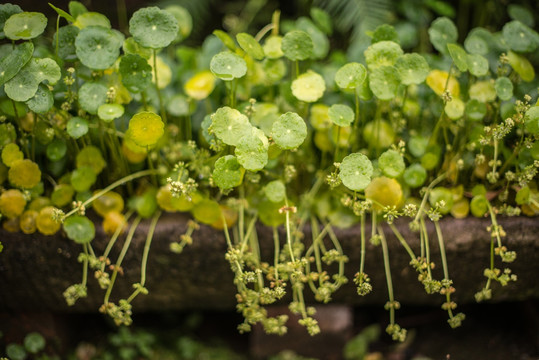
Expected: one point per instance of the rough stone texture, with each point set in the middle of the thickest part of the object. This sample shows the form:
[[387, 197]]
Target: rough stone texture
[[36, 269]]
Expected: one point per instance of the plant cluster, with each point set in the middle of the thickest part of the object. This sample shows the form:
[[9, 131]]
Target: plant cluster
[[272, 128]]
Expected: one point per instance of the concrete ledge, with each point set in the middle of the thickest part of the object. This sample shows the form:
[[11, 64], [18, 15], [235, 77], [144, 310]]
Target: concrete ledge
[[36, 269]]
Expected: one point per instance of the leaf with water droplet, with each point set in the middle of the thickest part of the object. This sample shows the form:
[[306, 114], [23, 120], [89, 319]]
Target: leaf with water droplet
[[25, 25], [98, 47], [228, 66], [350, 76], [77, 127], [355, 171], [12, 63], [383, 53], [442, 31], [309, 87], [227, 172], [24, 85], [42, 101], [91, 96], [297, 45], [504, 88], [289, 131], [384, 82], [341, 115], [153, 28], [412, 68], [109, 112], [229, 125]]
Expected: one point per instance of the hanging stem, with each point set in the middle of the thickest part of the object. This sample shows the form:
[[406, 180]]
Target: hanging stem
[[121, 257]]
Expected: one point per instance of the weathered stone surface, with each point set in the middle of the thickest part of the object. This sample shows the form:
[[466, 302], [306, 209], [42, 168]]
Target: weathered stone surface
[[36, 269]]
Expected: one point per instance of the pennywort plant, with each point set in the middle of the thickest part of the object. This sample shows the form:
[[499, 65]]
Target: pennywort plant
[[273, 128]]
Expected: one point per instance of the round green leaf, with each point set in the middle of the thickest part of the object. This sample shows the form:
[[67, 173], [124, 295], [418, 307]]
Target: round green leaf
[[483, 91], [153, 28], [442, 32], [412, 68], [98, 47], [56, 150], [459, 56], [146, 128], [12, 63], [274, 70], [454, 109], [384, 82], [383, 53], [83, 178], [230, 126], [16, 352], [91, 156], [252, 150], [355, 171], [531, 121], [91, 18], [520, 37], [109, 112], [379, 134], [384, 32], [521, 65], [415, 175], [228, 66], [227, 172], [350, 76], [34, 342], [504, 88], [476, 45], [42, 101], [24, 85], [136, 72], [79, 228], [272, 47], [289, 131], [77, 127], [249, 44], [391, 163], [308, 87], [66, 42], [275, 191], [317, 36], [297, 45], [476, 110], [6, 10], [341, 115], [25, 25], [477, 64], [184, 19], [91, 96]]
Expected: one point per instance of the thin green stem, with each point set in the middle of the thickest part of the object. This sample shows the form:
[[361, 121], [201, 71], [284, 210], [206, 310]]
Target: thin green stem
[[402, 241], [388, 275], [112, 187], [128, 240]]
